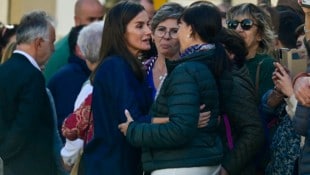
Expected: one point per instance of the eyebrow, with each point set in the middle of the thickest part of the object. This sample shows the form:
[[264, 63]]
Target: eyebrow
[[167, 27], [141, 22]]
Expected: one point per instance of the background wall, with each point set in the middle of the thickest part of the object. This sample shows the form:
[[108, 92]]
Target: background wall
[[63, 10], [64, 16], [3, 11], [20, 7]]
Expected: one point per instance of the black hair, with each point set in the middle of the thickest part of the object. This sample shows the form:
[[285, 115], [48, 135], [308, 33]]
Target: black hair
[[234, 44], [114, 41], [206, 22], [73, 36], [288, 23]]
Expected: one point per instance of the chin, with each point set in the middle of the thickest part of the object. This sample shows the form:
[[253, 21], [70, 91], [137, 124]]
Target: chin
[[146, 48]]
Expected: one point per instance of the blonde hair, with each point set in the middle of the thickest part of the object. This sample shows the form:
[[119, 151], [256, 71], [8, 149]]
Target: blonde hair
[[7, 53], [263, 21]]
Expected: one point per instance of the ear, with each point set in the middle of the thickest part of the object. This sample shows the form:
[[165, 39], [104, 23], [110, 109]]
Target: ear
[[78, 52], [231, 55], [258, 37], [76, 21], [37, 42], [190, 31]]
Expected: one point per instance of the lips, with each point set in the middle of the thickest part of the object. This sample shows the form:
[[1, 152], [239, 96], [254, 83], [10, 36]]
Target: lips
[[146, 39], [165, 46]]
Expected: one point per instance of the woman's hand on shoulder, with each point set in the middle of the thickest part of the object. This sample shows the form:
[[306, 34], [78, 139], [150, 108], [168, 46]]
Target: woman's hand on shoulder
[[124, 126]]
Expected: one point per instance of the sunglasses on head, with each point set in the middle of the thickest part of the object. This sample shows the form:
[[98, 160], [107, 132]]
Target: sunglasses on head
[[246, 24]]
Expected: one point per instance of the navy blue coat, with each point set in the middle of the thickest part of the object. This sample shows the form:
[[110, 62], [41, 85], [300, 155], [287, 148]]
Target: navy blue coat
[[65, 86], [301, 124], [116, 88]]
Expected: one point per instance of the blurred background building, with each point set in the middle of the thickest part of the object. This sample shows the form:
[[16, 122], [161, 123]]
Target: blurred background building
[[63, 10]]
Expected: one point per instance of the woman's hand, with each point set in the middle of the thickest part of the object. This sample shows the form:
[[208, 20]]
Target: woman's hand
[[204, 117], [203, 120], [160, 120], [223, 171], [282, 80], [124, 126]]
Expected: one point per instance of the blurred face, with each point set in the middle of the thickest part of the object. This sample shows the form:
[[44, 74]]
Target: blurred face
[[45, 48], [248, 30], [165, 38], [138, 34], [184, 36], [149, 7], [300, 46], [88, 12], [300, 43]]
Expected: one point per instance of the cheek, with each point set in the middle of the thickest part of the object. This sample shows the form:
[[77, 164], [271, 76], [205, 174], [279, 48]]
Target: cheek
[[249, 38], [176, 46], [258, 37], [133, 39], [156, 40]]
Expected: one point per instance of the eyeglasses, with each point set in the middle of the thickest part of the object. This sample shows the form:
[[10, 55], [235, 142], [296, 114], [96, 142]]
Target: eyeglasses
[[161, 32], [246, 24]]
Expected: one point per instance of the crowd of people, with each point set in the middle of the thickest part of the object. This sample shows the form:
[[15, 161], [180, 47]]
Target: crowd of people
[[131, 90]]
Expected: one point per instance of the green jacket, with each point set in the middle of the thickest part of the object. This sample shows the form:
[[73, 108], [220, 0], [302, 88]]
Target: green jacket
[[247, 129], [179, 143], [265, 76], [58, 59]]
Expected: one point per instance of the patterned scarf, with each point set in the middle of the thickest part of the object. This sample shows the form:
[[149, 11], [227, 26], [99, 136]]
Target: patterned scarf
[[197, 48]]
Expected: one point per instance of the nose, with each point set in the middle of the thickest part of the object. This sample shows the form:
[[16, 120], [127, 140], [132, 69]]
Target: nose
[[148, 30], [167, 35], [239, 28]]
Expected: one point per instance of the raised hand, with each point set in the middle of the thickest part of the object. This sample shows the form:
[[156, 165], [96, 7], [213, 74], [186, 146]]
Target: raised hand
[[282, 80]]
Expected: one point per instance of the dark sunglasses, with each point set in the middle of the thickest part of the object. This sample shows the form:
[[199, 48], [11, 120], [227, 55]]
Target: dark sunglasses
[[245, 24]]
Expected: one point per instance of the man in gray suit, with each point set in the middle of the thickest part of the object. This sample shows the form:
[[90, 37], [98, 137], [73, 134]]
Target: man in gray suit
[[26, 121]]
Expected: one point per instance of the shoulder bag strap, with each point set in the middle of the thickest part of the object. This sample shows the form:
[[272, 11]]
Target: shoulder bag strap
[[230, 142], [257, 76]]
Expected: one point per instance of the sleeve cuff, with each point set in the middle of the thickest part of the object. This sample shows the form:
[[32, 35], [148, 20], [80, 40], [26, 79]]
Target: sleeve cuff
[[291, 105]]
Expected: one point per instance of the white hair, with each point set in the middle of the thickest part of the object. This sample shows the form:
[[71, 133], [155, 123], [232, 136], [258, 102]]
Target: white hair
[[89, 41]]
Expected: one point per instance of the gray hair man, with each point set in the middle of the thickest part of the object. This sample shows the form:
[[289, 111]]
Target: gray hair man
[[26, 121]]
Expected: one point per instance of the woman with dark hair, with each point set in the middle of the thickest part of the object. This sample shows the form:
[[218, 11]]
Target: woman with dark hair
[[246, 127], [119, 84], [164, 26], [198, 77]]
